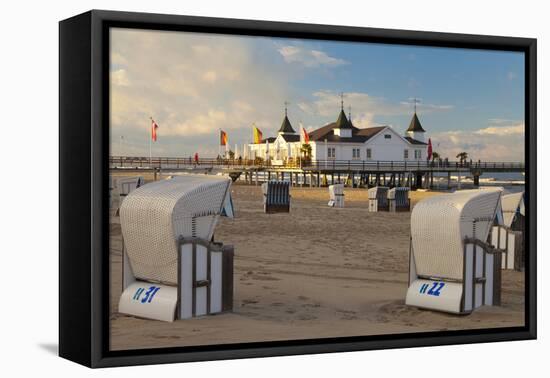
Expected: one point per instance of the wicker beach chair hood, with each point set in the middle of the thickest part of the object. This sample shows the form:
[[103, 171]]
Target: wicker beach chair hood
[[155, 215], [440, 224]]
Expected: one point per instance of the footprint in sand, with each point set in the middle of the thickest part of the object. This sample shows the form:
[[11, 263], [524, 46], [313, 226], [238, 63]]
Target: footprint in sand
[[277, 304], [248, 301], [302, 298], [311, 305], [306, 317]]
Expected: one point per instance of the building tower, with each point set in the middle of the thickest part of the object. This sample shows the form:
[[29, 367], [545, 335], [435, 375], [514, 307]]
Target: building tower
[[343, 126], [286, 127], [415, 129]]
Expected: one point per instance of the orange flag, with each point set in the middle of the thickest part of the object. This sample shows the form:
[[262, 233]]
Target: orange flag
[[223, 138]]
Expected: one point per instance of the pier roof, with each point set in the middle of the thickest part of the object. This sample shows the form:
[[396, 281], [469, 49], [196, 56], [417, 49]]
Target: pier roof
[[414, 141]]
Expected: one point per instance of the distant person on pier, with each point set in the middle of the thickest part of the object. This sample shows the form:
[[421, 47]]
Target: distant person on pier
[[197, 158]]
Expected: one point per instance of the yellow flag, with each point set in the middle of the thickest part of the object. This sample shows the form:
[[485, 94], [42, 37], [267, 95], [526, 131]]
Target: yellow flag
[[257, 135]]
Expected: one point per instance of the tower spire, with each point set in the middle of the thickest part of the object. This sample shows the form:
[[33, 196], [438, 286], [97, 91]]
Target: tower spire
[[415, 101]]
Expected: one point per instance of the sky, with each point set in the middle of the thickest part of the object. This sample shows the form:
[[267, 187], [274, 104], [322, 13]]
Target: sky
[[195, 84]]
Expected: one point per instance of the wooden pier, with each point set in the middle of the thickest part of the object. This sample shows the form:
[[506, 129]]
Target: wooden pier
[[357, 173]]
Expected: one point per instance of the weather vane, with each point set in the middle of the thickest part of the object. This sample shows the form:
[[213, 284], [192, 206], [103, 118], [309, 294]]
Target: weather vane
[[342, 100], [415, 101], [286, 105]]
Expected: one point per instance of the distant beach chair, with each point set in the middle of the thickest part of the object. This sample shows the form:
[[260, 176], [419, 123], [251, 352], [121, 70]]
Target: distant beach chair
[[398, 199], [507, 234], [276, 196], [336, 193], [378, 199], [171, 266], [124, 186], [451, 266]]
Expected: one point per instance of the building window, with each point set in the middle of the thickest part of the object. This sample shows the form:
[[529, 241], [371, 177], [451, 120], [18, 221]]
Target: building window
[[418, 154], [331, 153], [356, 153], [387, 136], [369, 153], [406, 154]]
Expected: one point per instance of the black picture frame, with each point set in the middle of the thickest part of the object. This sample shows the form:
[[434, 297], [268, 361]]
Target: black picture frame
[[83, 166]]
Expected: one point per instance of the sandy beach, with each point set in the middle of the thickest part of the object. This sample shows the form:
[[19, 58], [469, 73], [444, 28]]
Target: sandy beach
[[314, 272]]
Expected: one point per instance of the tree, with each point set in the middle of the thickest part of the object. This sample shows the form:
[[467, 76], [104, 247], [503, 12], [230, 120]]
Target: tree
[[231, 154], [462, 157], [436, 156], [305, 150]]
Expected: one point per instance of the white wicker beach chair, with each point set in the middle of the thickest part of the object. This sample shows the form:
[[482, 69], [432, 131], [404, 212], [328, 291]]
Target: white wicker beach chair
[[452, 267], [276, 196], [378, 199], [336, 193], [398, 199], [167, 228], [508, 234]]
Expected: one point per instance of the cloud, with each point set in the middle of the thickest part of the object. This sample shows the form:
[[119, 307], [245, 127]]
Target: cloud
[[192, 85], [518, 129], [309, 57], [364, 107], [491, 143]]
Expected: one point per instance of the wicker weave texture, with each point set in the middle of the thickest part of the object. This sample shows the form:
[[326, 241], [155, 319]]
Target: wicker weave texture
[[153, 216], [439, 225]]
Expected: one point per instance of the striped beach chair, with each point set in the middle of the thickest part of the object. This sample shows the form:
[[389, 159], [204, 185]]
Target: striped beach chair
[[452, 267], [336, 193], [172, 269], [276, 196], [378, 199], [398, 199]]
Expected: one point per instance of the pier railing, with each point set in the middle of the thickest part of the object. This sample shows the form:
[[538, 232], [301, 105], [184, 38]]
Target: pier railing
[[310, 165]]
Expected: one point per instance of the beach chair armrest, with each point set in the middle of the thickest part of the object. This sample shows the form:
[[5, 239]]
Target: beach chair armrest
[[489, 248]]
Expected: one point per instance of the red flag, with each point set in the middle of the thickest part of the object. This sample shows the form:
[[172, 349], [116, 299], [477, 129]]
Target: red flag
[[429, 148], [154, 128], [223, 138], [305, 135]]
